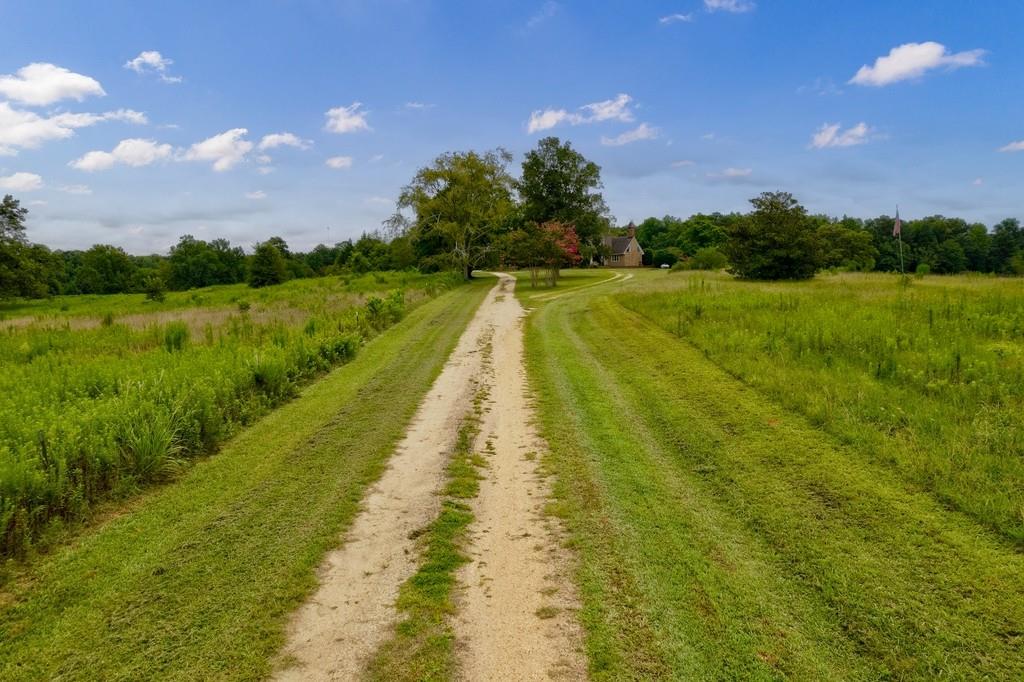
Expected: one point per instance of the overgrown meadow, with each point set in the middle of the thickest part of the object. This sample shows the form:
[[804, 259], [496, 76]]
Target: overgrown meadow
[[926, 376], [101, 395]]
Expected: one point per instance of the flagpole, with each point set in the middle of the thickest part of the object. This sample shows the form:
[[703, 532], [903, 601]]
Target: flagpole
[[899, 238]]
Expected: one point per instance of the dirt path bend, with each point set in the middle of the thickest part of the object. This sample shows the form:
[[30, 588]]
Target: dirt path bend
[[517, 605], [332, 636]]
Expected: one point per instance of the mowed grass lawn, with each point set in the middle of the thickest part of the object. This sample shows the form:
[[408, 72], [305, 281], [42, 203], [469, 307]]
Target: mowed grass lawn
[[196, 580], [723, 535]]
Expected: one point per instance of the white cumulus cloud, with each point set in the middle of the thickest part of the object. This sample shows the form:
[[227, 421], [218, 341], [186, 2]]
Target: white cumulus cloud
[[549, 118], [734, 6], [832, 135], [134, 152], [610, 109], [258, 194], [675, 18], [284, 140], [21, 129], [21, 182], [41, 84], [225, 150], [339, 162], [1013, 147], [616, 109], [347, 119], [151, 61], [732, 174], [683, 163], [641, 132], [81, 190], [913, 60]]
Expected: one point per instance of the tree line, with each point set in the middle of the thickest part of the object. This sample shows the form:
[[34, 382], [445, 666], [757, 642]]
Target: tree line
[[466, 210], [33, 270], [804, 243], [463, 211]]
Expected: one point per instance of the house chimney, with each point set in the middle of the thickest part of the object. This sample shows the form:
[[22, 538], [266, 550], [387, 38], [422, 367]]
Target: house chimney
[[631, 229]]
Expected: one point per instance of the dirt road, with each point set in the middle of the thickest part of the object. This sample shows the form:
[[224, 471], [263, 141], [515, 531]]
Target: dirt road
[[517, 610], [516, 617]]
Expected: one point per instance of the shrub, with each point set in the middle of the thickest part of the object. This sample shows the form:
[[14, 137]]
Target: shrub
[[270, 374], [708, 258], [668, 256], [383, 312], [155, 289], [375, 312]]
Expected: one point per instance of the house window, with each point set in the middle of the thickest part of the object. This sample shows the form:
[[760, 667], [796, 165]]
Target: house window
[[615, 259]]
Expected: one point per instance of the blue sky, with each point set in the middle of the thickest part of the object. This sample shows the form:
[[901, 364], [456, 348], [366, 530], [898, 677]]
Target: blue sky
[[128, 128]]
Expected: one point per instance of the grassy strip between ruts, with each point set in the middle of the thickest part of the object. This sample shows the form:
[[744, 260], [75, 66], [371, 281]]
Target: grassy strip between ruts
[[721, 536], [422, 647], [197, 581]]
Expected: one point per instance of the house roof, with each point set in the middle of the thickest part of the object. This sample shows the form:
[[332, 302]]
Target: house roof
[[618, 245]]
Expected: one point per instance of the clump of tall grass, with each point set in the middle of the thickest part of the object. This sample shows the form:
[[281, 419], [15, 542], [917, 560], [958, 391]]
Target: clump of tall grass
[[175, 336], [147, 439]]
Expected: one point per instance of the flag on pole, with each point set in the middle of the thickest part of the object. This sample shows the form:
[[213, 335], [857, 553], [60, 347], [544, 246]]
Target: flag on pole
[[897, 225]]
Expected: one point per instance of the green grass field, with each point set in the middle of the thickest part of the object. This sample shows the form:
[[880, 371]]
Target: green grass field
[[725, 530], [812, 480], [195, 580], [308, 294], [95, 407], [928, 378]]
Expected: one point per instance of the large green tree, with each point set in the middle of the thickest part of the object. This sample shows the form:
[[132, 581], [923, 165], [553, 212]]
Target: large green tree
[[16, 272], [846, 247], [268, 266], [559, 184], [461, 203], [1007, 245], [778, 240], [195, 263], [105, 269]]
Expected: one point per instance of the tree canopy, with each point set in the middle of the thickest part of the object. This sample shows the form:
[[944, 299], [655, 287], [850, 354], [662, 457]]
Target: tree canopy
[[776, 241], [21, 264], [461, 202], [106, 269], [195, 263], [268, 266], [559, 184]]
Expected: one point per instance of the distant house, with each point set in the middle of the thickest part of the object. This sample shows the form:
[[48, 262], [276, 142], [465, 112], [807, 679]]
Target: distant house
[[625, 252]]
